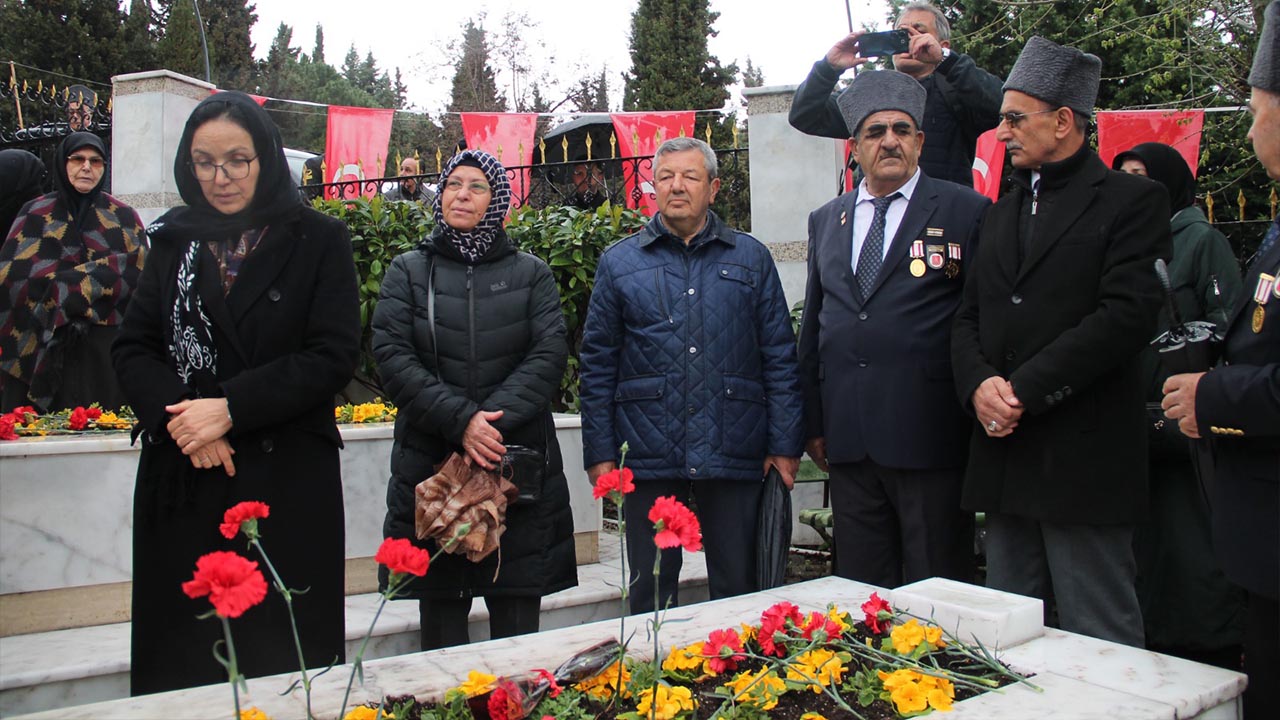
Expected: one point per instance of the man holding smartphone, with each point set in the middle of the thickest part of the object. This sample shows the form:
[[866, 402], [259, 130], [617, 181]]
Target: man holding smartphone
[[963, 99]]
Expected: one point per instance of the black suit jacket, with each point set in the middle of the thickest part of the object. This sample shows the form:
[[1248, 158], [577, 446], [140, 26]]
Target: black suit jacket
[[877, 373], [1238, 404], [1065, 326]]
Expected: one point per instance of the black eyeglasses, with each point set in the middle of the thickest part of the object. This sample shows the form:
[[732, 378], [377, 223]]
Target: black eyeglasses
[[236, 169], [1015, 118]]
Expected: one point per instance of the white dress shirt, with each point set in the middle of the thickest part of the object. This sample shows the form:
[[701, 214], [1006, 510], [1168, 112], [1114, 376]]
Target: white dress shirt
[[864, 212]]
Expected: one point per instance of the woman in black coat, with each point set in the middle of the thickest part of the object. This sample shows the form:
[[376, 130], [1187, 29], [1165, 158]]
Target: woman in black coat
[[244, 327], [470, 344]]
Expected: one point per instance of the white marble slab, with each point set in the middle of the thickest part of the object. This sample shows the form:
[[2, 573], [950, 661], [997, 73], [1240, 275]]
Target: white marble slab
[[993, 618], [66, 503], [1078, 677]]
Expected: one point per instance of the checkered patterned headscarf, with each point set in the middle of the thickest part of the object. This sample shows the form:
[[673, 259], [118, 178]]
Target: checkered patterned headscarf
[[475, 243]]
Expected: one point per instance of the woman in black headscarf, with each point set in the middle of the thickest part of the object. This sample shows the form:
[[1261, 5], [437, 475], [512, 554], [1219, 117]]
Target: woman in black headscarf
[[21, 176], [244, 327], [67, 272], [470, 344], [1188, 608]]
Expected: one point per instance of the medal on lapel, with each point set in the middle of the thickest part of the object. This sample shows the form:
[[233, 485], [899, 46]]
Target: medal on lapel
[[1262, 294], [917, 252], [952, 268], [844, 217], [935, 258]]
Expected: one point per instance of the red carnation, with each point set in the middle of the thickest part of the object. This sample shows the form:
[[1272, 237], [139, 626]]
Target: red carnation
[[506, 702], [403, 557], [233, 583], [79, 419], [93, 412], [235, 518], [676, 525], [775, 620], [619, 481], [873, 608], [725, 650], [24, 413], [7, 421], [554, 687], [818, 621]]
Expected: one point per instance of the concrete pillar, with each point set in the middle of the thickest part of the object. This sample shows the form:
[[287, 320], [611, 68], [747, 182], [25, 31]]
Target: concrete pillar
[[148, 113], [792, 174]]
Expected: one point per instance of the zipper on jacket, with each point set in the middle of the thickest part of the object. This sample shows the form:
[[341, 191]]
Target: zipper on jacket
[[471, 334], [662, 296], [1035, 198]]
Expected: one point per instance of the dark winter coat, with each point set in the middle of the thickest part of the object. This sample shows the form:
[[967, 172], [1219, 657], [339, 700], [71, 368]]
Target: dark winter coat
[[1064, 325], [498, 344], [287, 337], [688, 356], [963, 102]]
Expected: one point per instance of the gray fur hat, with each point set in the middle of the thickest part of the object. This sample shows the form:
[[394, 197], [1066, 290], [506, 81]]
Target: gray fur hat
[[1060, 75], [876, 90], [1266, 61]]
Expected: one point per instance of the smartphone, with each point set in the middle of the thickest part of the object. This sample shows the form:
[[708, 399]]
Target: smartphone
[[890, 42]]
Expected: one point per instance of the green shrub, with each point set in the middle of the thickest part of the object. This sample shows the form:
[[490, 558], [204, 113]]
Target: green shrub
[[567, 239]]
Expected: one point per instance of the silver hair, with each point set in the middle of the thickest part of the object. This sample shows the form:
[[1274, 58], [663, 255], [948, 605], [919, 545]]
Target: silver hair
[[939, 20], [680, 144]]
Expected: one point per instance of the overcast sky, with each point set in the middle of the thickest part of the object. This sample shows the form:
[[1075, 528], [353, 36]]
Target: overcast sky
[[782, 38]]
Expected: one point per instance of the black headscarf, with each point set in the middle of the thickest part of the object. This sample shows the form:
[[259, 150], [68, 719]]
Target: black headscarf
[[21, 175], [77, 202], [1167, 167], [275, 199]]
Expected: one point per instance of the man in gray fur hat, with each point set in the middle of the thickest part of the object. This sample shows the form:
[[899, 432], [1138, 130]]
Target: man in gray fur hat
[[1238, 404], [887, 264], [1056, 309]]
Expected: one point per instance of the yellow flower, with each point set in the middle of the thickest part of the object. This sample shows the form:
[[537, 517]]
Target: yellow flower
[[478, 683], [358, 414], [812, 716], [760, 689], [909, 698], [820, 668], [364, 712], [601, 686], [933, 636], [940, 697], [839, 618], [685, 658], [907, 636], [251, 713], [748, 633], [337, 413], [664, 702]]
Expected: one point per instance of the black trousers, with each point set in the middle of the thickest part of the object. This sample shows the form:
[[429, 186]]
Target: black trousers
[[444, 622], [727, 511], [1261, 657], [897, 526]]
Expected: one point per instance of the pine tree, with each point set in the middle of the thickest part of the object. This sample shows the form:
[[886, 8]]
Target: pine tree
[[591, 93], [227, 27], [752, 76], [138, 35], [180, 49], [475, 88], [317, 53], [671, 68]]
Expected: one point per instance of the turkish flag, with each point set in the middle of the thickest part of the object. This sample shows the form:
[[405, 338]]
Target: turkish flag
[[988, 165], [508, 137], [1120, 130], [356, 147], [639, 135]]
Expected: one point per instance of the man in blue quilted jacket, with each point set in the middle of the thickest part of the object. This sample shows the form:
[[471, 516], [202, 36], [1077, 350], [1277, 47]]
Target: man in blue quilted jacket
[[688, 357]]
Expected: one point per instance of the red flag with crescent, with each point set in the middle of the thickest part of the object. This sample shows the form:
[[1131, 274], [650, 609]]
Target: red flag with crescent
[[639, 135], [988, 165], [508, 137], [356, 147]]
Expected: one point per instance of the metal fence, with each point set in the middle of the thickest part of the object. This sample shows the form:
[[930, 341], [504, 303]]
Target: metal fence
[[36, 118]]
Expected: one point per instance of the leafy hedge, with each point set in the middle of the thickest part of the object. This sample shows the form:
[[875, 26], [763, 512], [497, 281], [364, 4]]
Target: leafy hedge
[[568, 239]]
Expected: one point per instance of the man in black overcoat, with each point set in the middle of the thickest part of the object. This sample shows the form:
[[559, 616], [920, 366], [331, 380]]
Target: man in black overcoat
[[1058, 305], [1238, 405], [886, 269]]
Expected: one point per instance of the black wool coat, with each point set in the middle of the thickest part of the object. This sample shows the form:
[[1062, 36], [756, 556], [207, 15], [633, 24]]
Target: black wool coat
[[287, 337], [1064, 326], [498, 344]]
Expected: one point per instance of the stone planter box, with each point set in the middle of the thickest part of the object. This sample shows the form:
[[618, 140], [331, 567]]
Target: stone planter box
[[66, 521], [1079, 677]]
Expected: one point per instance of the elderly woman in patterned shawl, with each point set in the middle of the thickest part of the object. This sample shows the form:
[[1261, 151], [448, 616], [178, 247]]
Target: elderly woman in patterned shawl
[[67, 271]]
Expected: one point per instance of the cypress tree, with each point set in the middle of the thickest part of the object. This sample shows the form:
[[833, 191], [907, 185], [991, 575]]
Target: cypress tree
[[671, 68]]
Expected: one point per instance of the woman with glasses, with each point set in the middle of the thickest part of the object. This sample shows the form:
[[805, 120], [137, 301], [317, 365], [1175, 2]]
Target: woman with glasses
[[244, 327], [470, 344], [68, 269]]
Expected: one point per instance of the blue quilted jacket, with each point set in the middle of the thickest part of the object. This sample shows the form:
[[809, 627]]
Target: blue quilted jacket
[[688, 356]]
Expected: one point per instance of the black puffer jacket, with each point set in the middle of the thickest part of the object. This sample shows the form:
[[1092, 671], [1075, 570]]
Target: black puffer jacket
[[501, 346]]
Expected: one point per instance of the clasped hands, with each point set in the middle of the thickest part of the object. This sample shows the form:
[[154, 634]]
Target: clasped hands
[[997, 407], [200, 427]]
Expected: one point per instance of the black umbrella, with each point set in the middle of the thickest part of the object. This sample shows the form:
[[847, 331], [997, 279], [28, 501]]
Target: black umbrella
[[773, 531], [567, 143]]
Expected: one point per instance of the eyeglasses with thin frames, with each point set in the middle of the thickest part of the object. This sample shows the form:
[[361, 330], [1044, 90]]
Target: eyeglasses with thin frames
[[236, 169], [476, 188], [91, 160], [1016, 118]]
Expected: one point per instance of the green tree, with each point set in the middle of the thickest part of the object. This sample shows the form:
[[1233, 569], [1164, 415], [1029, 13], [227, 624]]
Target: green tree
[[591, 93], [227, 27], [180, 49], [139, 38], [78, 38], [752, 76], [475, 87], [317, 52], [671, 68]]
